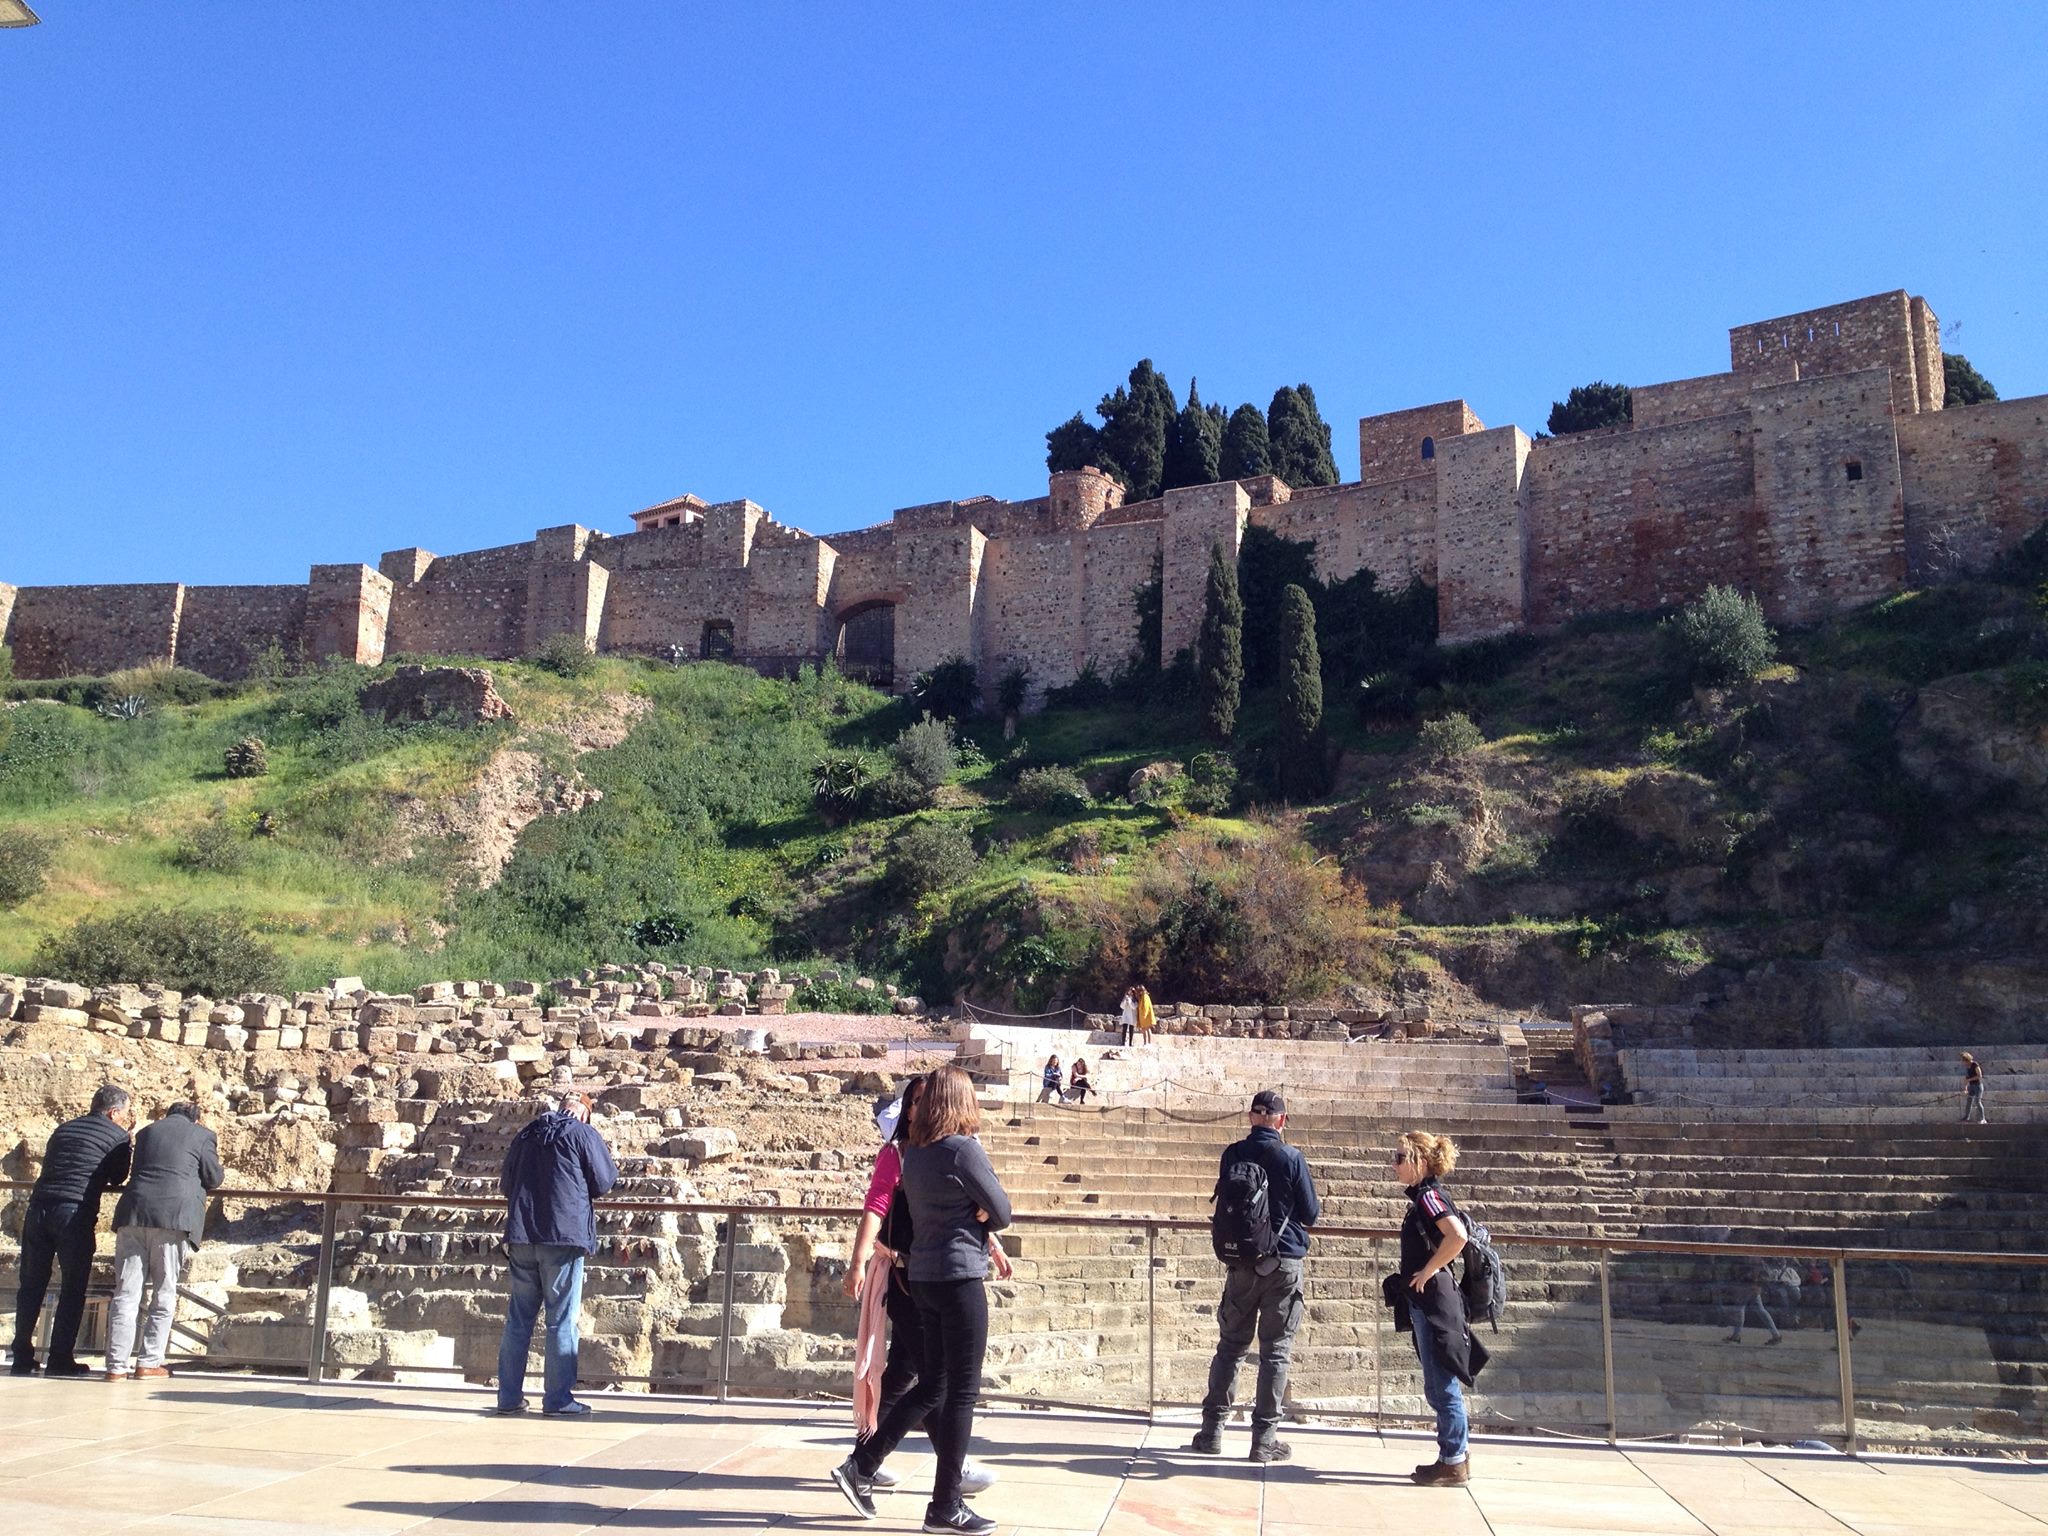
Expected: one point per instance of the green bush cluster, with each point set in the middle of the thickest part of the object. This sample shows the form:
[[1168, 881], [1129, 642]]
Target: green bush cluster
[[949, 691], [565, 655], [25, 860], [213, 848], [1722, 636], [1449, 737], [839, 997], [246, 759], [1056, 791], [216, 953], [929, 856]]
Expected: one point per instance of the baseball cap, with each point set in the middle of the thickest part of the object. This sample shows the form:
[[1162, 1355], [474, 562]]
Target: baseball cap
[[1267, 1102]]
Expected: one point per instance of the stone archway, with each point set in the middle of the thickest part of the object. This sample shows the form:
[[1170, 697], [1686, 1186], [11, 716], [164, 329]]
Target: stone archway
[[865, 645]]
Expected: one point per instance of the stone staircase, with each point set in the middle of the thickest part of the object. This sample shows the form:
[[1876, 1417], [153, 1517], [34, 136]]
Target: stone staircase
[[1898, 1084]]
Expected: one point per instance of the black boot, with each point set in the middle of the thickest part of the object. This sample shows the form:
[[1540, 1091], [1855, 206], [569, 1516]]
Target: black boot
[[1208, 1439]]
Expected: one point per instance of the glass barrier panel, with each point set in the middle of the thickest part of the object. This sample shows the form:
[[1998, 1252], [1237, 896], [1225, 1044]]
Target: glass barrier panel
[[1949, 1356], [1724, 1349], [1070, 1324], [1546, 1370]]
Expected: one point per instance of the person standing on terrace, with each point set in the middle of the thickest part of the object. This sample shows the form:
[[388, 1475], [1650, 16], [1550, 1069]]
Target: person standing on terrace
[[1265, 1204], [1432, 1235], [157, 1224], [85, 1157], [554, 1170]]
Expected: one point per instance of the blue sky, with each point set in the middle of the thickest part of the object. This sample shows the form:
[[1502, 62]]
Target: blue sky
[[288, 284]]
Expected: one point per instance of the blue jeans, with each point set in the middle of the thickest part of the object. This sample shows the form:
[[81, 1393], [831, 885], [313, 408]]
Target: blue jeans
[[1443, 1392], [545, 1277]]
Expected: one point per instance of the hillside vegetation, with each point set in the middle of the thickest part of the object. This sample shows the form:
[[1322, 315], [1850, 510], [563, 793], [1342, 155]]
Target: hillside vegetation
[[1847, 841]]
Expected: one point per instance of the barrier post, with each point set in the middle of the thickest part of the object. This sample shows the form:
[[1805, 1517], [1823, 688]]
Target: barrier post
[[1607, 1346], [316, 1347], [732, 1227], [1842, 1332], [1151, 1319]]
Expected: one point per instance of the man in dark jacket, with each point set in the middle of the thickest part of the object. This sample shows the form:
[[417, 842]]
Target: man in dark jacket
[[554, 1169], [177, 1164], [85, 1157], [1262, 1296]]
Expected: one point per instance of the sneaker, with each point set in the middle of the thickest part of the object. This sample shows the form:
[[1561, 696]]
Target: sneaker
[[1208, 1441], [882, 1477], [975, 1478], [569, 1410], [1733, 1338], [1271, 1450], [962, 1522], [1776, 1338], [509, 1410], [68, 1368], [847, 1479], [1441, 1475]]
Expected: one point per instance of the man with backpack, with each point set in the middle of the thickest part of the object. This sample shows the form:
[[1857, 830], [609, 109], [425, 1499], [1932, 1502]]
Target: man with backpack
[[1265, 1202]]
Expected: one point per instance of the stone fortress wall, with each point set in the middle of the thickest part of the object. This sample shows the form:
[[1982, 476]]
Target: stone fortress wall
[[1819, 472]]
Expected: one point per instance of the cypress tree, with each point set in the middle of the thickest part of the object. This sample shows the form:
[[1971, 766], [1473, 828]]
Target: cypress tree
[[1247, 450], [1135, 425], [1220, 651], [1300, 438], [1074, 444], [1301, 700], [1195, 455]]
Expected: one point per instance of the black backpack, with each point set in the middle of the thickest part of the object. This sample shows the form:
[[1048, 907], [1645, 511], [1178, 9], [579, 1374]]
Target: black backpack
[[1241, 1226], [1484, 1289]]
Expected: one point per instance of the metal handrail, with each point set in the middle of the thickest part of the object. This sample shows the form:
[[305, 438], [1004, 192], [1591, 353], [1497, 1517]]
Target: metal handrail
[[1601, 1248]]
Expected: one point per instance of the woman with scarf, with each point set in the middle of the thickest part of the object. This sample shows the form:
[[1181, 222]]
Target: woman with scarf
[[1424, 1297]]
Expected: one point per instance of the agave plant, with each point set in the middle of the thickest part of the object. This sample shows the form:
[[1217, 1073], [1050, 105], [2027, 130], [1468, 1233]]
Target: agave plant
[[130, 706]]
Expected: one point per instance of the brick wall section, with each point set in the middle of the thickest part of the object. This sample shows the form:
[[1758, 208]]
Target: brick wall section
[[1390, 445], [1481, 535], [1034, 608], [649, 608], [1622, 522], [223, 629], [1976, 482], [1827, 542], [1893, 331], [1718, 394], [1198, 518], [1116, 560], [938, 571], [564, 587], [786, 587], [348, 610], [462, 605], [66, 631]]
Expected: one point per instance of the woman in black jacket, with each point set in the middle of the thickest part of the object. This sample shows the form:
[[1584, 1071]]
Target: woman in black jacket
[[955, 1204], [1432, 1235]]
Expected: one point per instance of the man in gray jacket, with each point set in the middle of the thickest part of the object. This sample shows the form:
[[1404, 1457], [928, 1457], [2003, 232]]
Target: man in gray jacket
[[177, 1163]]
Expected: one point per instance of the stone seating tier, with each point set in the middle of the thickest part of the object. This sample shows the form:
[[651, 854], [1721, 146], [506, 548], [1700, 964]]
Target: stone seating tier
[[1921, 1080]]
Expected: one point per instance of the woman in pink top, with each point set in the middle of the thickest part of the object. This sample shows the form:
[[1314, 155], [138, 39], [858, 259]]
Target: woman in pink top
[[874, 1278]]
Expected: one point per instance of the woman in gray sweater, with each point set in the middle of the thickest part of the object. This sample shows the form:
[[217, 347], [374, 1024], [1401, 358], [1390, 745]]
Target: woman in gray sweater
[[955, 1204]]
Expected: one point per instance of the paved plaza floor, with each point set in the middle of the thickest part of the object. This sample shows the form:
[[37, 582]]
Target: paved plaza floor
[[214, 1456]]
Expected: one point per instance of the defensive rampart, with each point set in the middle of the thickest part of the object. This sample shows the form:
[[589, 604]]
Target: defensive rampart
[[1819, 472]]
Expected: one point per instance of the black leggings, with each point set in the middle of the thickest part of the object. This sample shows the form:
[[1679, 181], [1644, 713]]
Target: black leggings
[[953, 1332]]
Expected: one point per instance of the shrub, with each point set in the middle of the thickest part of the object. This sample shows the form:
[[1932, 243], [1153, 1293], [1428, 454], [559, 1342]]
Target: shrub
[[658, 930], [927, 753], [565, 655], [949, 691], [929, 857], [246, 759], [1259, 919], [42, 746], [1386, 698], [1722, 637], [212, 848], [160, 682], [124, 706], [215, 953], [1212, 783], [1013, 689], [1054, 790], [840, 784], [1088, 690], [6, 663], [24, 865], [1449, 737], [839, 997], [896, 793]]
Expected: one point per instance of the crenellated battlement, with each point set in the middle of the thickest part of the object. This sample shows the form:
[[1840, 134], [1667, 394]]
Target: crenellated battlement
[[1819, 472]]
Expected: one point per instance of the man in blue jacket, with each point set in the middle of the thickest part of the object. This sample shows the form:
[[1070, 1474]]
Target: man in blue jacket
[[554, 1169], [1271, 1194]]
